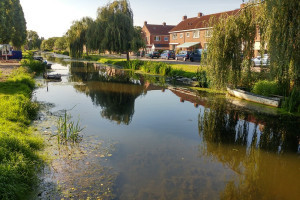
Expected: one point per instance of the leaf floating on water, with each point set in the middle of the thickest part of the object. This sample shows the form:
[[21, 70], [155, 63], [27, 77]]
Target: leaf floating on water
[[109, 155], [235, 150]]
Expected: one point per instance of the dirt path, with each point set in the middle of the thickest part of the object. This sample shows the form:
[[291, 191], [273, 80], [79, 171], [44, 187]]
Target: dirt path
[[6, 69]]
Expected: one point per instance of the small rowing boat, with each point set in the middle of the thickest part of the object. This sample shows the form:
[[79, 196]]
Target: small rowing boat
[[270, 101]]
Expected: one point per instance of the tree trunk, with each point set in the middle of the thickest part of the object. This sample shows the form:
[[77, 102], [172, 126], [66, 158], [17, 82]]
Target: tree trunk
[[127, 54]]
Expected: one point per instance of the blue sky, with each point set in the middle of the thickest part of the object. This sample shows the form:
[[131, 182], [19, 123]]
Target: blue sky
[[53, 17]]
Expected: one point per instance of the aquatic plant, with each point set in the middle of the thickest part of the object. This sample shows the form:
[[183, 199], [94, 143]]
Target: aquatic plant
[[68, 130]]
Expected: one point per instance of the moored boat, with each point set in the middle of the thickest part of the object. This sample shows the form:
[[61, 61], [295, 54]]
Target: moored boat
[[269, 101]]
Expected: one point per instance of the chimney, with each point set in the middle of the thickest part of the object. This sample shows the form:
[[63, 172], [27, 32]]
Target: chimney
[[164, 24], [184, 17], [145, 23], [242, 5], [200, 14]]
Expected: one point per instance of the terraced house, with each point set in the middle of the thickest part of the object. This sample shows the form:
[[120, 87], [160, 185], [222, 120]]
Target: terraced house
[[195, 33], [157, 37]]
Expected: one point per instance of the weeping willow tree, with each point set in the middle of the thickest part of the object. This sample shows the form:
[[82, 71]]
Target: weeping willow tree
[[280, 25], [76, 36], [281, 20], [117, 20], [231, 48]]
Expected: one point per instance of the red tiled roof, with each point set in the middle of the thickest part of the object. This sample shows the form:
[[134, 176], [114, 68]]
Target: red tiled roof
[[159, 29], [201, 22]]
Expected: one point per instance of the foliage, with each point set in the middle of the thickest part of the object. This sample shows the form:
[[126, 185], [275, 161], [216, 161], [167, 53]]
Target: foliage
[[137, 41], [33, 40], [19, 157], [265, 88], [202, 78], [225, 57], [67, 129], [34, 65], [12, 23], [28, 54], [280, 30], [292, 103], [77, 38], [61, 44], [48, 45]]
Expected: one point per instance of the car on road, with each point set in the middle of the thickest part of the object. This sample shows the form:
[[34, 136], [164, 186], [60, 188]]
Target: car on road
[[195, 55], [261, 61], [183, 55], [167, 54], [153, 54]]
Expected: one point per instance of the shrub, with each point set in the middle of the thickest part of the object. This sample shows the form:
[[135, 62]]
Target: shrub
[[202, 78], [34, 65], [265, 88]]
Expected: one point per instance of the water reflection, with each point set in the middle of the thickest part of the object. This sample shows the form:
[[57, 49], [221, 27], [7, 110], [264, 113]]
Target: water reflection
[[114, 90], [241, 141]]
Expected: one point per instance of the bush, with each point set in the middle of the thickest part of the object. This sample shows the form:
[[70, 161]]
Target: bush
[[34, 65], [265, 88], [202, 78]]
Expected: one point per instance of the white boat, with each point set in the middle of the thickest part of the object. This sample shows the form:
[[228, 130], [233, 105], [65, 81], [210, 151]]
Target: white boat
[[270, 101]]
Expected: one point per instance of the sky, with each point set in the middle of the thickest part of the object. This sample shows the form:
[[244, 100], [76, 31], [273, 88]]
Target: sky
[[52, 18]]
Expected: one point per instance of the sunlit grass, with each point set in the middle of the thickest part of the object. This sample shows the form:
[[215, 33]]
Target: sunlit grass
[[19, 157]]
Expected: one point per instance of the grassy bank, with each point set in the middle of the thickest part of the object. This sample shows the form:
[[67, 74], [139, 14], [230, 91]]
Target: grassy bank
[[150, 67], [19, 157]]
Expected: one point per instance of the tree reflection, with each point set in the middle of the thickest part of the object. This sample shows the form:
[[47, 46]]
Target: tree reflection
[[243, 142], [111, 89]]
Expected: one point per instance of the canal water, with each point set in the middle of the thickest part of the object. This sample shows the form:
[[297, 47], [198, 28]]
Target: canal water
[[145, 138]]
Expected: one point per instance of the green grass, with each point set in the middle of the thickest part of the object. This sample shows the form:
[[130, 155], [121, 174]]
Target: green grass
[[35, 66], [19, 157]]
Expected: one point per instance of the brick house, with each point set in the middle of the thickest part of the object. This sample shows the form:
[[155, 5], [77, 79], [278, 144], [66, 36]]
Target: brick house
[[157, 37], [195, 33]]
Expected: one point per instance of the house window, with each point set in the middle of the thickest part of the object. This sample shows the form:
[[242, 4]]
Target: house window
[[166, 39], [208, 33], [187, 35], [206, 45], [181, 35], [156, 38], [196, 34], [174, 36]]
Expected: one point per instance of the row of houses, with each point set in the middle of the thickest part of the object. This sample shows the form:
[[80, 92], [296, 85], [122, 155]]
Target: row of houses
[[190, 33]]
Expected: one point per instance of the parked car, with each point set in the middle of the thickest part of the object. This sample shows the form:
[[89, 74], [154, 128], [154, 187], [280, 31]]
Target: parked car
[[258, 61], [167, 54], [195, 56], [183, 55], [153, 54]]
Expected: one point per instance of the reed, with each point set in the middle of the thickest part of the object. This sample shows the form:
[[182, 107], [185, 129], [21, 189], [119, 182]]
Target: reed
[[68, 130]]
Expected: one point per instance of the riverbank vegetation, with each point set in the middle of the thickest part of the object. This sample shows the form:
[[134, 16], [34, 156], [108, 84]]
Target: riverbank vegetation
[[19, 157], [229, 64]]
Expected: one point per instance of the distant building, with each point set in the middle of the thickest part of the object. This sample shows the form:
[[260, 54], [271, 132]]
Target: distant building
[[157, 37]]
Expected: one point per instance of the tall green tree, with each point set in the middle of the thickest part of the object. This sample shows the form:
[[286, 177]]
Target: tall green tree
[[138, 40], [231, 48], [33, 40], [6, 21], [280, 30], [77, 36], [19, 33], [48, 45], [61, 43], [117, 20]]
